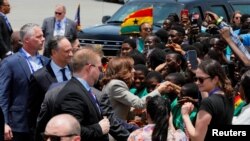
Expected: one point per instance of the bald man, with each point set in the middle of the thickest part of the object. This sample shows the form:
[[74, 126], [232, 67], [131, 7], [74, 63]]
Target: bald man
[[63, 126]]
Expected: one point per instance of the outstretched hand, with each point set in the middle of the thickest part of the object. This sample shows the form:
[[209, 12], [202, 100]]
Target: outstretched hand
[[176, 47], [225, 32]]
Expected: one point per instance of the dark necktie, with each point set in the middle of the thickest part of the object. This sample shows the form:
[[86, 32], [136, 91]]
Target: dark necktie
[[63, 74], [94, 100]]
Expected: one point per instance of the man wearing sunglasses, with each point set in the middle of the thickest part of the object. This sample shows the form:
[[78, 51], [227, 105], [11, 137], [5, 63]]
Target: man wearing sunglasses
[[62, 127], [59, 24]]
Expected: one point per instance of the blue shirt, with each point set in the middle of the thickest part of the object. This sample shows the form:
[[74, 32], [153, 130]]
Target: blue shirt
[[246, 39], [56, 69], [236, 39], [34, 62], [60, 27], [84, 83]]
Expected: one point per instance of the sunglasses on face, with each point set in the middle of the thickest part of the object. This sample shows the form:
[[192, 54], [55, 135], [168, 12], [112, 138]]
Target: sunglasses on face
[[58, 13], [201, 79], [55, 137]]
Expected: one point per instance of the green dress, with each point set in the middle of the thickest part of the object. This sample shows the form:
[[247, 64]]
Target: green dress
[[177, 117]]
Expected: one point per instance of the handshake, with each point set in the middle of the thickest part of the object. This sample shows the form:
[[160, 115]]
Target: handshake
[[182, 100]]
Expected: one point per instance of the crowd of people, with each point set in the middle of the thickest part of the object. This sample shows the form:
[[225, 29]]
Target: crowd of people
[[174, 83]]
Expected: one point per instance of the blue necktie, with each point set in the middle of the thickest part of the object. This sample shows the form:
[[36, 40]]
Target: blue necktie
[[58, 24], [94, 100]]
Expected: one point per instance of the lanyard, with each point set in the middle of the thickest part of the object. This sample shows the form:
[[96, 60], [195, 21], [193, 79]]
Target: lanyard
[[27, 59], [213, 91]]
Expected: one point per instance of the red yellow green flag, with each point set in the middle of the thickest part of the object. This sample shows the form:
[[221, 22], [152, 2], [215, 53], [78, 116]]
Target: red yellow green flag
[[132, 22], [238, 104]]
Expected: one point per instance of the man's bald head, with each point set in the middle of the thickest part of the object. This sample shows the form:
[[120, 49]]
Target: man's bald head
[[63, 125]]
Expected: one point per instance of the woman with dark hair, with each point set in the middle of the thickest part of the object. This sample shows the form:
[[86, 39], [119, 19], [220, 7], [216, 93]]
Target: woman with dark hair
[[158, 128], [117, 80], [215, 110], [244, 116]]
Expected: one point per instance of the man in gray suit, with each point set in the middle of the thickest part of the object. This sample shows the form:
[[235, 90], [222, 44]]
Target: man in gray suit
[[58, 25]]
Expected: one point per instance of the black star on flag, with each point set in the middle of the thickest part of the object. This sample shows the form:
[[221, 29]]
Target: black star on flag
[[135, 21]]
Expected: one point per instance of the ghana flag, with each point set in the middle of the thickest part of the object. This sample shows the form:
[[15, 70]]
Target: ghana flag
[[238, 104], [132, 22]]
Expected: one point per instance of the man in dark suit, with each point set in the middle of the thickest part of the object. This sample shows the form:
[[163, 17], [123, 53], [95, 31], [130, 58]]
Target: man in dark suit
[[58, 25], [15, 72], [117, 128], [57, 70], [5, 29], [76, 97], [47, 108]]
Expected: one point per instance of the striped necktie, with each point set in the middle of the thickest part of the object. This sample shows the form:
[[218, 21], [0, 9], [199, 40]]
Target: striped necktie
[[94, 100]]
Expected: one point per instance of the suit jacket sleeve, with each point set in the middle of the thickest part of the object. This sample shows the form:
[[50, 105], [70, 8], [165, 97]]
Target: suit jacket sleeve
[[44, 25], [5, 84], [116, 128], [121, 93], [36, 96], [3, 46], [73, 29], [75, 105]]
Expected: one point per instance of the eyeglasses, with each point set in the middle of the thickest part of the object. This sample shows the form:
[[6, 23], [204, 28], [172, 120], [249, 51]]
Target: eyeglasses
[[55, 137], [147, 29], [99, 67], [201, 79], [58, 13]]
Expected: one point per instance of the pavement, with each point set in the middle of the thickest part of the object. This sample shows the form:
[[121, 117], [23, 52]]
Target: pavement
[[34, 11]]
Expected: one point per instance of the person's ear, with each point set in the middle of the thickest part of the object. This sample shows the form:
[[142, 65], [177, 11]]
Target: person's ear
[[77, 138], [216, 80]]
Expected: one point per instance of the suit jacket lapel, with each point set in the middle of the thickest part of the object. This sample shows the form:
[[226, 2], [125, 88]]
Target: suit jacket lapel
[[85, 92], [44, 60], [52, 76], [24, 65], [52, 26]]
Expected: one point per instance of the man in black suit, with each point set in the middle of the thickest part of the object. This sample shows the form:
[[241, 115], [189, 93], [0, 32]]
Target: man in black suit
[[61, 54], [76, 97], [5, 29], [117, 128]]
